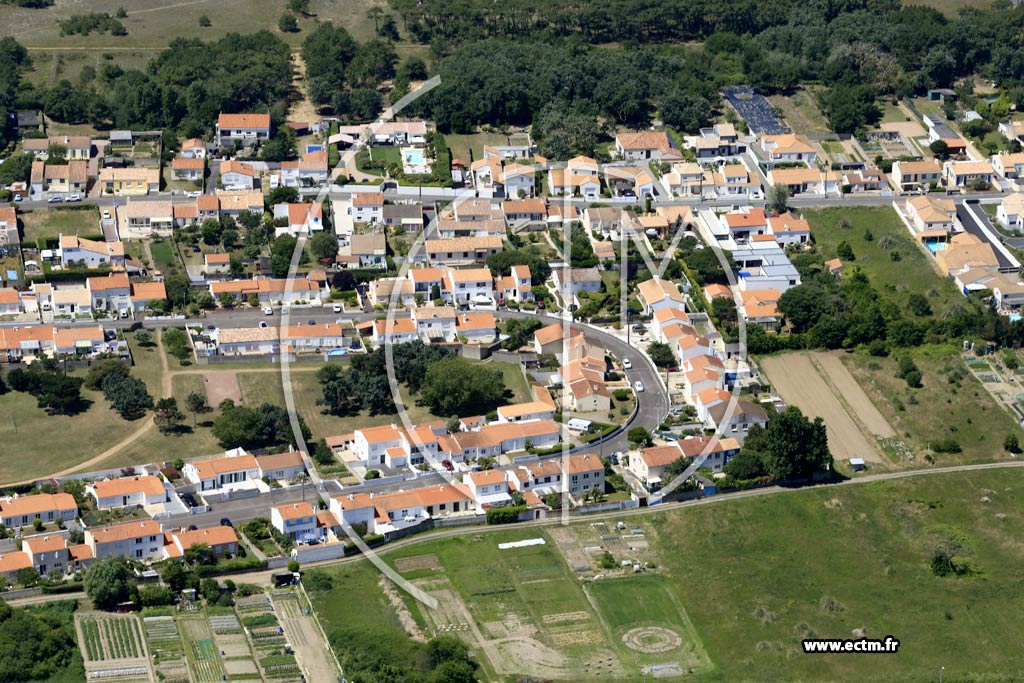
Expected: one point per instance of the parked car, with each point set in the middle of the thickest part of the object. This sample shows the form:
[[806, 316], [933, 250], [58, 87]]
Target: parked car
[[106, 214], [17, 197], [194, 194], [56, 199], [312, 322], [638, 385], [337, 308], [627, 364], [74, 198], [267, 310], [195, 248], [224, 521], [263, 323]]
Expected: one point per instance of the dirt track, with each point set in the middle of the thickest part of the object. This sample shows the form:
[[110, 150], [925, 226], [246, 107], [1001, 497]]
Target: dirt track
[[821, 386]]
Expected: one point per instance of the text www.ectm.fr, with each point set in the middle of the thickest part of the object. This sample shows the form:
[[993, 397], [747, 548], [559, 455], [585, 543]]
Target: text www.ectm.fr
[[888, 645]]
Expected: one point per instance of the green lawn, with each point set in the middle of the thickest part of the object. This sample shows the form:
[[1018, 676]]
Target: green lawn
[[52, 222], [165, 257], [36, 444], [960, 409], [894, 280], [266, 387], [756, 576], [460, 145]]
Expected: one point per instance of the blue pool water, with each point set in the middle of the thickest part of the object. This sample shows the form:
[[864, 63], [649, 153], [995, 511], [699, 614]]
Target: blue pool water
[[935, 246], [415, 156], [314, 148], [1014, 317]]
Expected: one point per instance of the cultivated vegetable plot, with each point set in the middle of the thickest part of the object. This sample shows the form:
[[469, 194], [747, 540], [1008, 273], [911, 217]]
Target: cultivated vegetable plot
[[111, 638]]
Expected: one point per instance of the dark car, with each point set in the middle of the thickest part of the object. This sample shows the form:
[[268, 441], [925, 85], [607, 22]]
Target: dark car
[[312, 322], [195, 248], [224, 521]]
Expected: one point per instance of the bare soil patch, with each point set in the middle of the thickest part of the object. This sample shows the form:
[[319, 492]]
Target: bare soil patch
[[823, 388], [220, 385]]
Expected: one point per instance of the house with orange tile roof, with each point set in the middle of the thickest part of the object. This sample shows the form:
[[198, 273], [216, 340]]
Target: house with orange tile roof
[[489, 488], [760, 307], [237, 175], [649, 464], [242, 129], [137, 540], [236, 469], [281, 466], [188, 168], [736, 423], [51, 551], [146, 293], [788, 228], [655, 294], [130, 181], [743, 225], [367, 207], [434, 323], [17, 343], [654, 145], [575, 474], [916, 175], [48, 180], [10, 301], [234, 203], [530, 410], [75, 249], [13, 562], [302, 218], [110, 292], [393, 331], [788, 148], [462, 250], [222, 540], [135, 491], [962, 174], [707, 399], [216, 263], [273, 291], [476, 327], [801, 180], [472, 286], [389, 512], [193, 148], [297, 521], [18, 511], [9, 235]]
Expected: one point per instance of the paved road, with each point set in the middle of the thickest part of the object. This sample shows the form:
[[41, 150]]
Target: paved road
[[973, 218], [263, 577]]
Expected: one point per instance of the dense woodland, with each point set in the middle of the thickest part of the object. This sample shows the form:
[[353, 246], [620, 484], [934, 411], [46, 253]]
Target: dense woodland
[[572, 69]]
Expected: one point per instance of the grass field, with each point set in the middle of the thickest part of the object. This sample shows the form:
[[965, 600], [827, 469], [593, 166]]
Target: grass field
[[894, 280], [152, 25], [460, 145], [52, 222], [832, 561], [960, 409], [801, 112], [949, 7], [266, 387]]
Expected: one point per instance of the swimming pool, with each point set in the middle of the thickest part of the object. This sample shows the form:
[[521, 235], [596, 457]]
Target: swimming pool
[[935, 246], [415, 156]]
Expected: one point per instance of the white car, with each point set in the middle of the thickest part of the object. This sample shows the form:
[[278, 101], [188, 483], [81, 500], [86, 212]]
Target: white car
[[74, 198], [106, 215], [638, 385], [17, 197], [267, 310], [627, 364], [337, 308], [194, 194]]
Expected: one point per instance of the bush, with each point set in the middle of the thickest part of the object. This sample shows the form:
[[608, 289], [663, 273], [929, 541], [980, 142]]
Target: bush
[[947, 445], [504, 515]]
